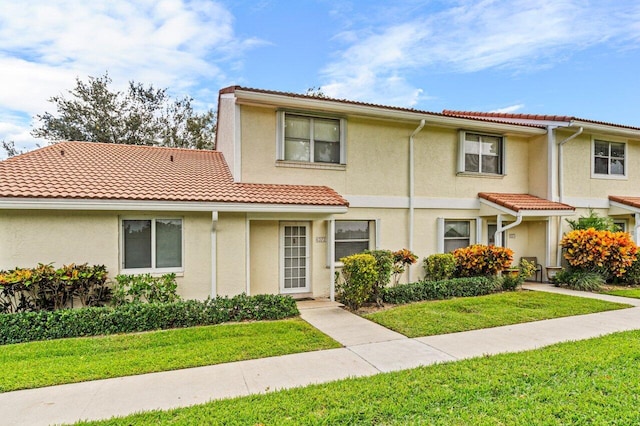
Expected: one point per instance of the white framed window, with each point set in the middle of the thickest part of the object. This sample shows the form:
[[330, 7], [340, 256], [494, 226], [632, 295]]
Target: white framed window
[[311, 139], [352, 237], [457, 234], [481, 154], [152, 245], [621, 225], [609, 159]]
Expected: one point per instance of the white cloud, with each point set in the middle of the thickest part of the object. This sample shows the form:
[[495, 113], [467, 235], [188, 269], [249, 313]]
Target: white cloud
[[169, 43], [471, 36], [509, 109]]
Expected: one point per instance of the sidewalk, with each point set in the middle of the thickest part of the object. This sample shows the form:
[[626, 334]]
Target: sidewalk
[[369, 349]]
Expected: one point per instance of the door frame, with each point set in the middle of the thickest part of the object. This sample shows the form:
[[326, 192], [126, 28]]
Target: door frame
[[307, 256]]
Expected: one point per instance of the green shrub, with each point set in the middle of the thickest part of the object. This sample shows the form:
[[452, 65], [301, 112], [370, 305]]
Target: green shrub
[[47, 288], [359, 275], [443, 289], [145, 288], [594, 221], [632, 274], [439, 266], [482, 260], [577, 279], [384, 267], [512, 280], [608, 253], [135, 317]]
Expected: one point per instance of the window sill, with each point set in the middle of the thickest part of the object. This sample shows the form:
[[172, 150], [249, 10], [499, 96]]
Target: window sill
[[308, 165], [153, 272], [480, 175], [608, 177]]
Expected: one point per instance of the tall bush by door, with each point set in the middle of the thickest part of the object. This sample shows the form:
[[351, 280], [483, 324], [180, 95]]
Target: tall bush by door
[[385, 266], [358, 276]]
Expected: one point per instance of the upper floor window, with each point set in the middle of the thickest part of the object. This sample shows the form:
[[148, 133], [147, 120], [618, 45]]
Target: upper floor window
[[311, 139], [481, 153], [152, 244], [608, 158]]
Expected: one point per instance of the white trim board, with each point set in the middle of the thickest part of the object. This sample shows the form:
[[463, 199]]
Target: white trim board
[[391, 202], [135, 205]]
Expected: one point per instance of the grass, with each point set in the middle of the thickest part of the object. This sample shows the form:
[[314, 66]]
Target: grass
[[471, 313], [630, 292], [587, 382], [37, 364]]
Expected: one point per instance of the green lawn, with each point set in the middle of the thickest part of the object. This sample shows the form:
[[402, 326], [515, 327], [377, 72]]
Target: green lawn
[[37, 364], [578, 383], [627, 292], [471, 313]]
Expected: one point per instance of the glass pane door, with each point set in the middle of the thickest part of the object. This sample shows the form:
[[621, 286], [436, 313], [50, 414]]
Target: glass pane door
[[295, 258]]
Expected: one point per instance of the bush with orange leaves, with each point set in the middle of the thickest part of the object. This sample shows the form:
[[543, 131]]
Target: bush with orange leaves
[[481, 260], [606, 252]]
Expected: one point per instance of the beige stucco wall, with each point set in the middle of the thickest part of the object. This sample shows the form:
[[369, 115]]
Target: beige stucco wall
[[30, 237], [577, 160], [538, 178], [231, 254], [265, 266]]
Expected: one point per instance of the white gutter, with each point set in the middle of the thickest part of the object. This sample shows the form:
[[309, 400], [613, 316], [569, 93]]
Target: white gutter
[[412, 187], [561, 189], [150, 205]]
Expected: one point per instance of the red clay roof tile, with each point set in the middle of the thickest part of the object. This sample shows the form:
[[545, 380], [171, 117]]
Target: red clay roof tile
[[518, 202], [533, 117], [87, 170], [626, 200]]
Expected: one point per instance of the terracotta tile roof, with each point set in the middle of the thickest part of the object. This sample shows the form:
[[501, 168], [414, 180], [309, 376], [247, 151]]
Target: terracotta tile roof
[[232, 89], [87, 170], [626, 200], [518, 202], [534, 117]]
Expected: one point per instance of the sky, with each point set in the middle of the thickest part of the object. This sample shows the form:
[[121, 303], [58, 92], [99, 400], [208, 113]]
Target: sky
[[566, 57]]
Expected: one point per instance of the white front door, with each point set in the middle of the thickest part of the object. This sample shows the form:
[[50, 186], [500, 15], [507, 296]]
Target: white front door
[[294, 257]]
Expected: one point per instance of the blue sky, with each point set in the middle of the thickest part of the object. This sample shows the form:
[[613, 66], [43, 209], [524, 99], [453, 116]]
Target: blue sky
[[565, 57]]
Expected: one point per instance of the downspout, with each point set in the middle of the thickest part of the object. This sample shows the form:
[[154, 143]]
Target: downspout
[[497, 237], [636, 229], [412, 186], [561, 189]]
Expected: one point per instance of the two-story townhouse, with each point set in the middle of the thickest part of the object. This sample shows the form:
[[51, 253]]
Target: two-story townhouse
[[297, 182], [592, 165]]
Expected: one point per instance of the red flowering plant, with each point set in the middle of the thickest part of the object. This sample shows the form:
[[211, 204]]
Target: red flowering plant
[[401, 259], [608, 253], [482, 260]]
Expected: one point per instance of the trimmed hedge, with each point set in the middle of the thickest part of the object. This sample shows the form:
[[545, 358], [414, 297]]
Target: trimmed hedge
[[444, 289], [46, 325]]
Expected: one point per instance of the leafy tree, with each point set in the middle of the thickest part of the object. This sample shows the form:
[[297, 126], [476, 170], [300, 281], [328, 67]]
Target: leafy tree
[[139, 116], [10, 148], [316, 92]]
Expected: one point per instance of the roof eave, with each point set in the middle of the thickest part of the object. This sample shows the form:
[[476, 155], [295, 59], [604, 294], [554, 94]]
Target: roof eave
[[380, 112], [159, 205], [489, 208], [606, 129]]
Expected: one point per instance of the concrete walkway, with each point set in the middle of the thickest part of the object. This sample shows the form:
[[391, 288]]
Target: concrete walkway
[[369, 349]]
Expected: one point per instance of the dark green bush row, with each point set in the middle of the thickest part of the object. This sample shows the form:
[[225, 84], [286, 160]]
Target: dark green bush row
[[445, 289], [46, 325]]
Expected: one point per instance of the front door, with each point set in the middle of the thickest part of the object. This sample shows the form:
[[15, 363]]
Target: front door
[[294, 257]]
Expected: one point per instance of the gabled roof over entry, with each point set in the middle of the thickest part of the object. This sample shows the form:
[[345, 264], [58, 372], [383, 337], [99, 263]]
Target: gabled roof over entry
[[523, 204], [98, 171]]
